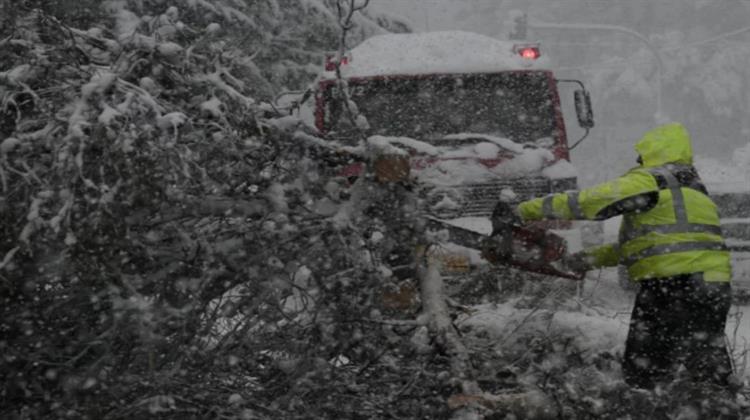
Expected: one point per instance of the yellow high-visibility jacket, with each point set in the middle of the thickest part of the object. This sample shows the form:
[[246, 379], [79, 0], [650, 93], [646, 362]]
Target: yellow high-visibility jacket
[[670, 225]]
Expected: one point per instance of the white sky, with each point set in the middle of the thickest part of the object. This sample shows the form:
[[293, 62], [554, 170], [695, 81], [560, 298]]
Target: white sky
[[424, 14]]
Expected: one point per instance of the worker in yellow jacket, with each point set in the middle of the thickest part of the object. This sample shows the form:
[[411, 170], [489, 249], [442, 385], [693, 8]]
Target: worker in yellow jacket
[[671, 243]]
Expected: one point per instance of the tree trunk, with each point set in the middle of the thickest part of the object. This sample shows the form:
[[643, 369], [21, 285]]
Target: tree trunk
[[435, 314]]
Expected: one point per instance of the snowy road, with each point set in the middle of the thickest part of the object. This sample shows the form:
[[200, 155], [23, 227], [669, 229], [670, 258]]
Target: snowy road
[[597, 319]]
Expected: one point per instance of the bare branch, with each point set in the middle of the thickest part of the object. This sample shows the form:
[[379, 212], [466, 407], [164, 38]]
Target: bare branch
[[346, 24]]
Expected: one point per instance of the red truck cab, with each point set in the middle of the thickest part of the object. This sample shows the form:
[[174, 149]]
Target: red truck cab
[[476, 114]]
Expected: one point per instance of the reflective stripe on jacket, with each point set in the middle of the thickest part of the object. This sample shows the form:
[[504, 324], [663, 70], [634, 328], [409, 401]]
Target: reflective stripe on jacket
[[670, 225]]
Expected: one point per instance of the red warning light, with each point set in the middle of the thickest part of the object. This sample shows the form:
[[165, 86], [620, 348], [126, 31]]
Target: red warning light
[[529, 53]]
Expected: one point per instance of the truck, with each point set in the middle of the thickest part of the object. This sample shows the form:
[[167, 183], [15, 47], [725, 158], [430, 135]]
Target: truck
[[479, 117]]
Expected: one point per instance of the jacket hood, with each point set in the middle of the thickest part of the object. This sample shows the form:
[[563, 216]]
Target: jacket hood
[[668, 143]]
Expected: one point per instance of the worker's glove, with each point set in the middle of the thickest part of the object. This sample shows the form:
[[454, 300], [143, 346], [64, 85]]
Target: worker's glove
[[579, 262], [504, 215]]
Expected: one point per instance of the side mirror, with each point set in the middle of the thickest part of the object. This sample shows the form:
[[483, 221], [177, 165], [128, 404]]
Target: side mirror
[[583, 108]]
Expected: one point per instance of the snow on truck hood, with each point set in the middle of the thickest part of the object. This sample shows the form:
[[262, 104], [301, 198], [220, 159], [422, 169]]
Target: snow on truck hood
[[469, 171], [433, 52], [456, 165]]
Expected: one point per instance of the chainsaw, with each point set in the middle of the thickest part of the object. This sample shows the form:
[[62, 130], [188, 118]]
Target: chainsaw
[[526, 248]]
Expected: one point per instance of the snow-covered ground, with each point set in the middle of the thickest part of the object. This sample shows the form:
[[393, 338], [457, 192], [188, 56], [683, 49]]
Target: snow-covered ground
[[598, 316], [597, 319]]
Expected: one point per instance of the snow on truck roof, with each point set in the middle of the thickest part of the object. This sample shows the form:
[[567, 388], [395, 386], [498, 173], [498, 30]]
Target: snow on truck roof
[[434, 52]]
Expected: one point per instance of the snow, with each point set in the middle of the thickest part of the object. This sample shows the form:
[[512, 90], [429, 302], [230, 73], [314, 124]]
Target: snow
[[217, 78], [171, 121], [597, 319], [560, 169], [99, 82], [232, 14], [235, 399], [446, 203], [595, 329], [148, 84], [203, 3], [376, 237], [477, 224], [108, 115], [319, 7], [723, 176], [507, 144], [465, 169], [433, 52], [95, 32], [77, 120], [389, 145], [17, 74], [461, 164], [213, 107], [486, 150], [173, 13], [339, 361], [70, 239], [362, 123], [169, 49], [276, 196], [8, 145], [327, 144], [592, 330], [482, 150], [126, 23]]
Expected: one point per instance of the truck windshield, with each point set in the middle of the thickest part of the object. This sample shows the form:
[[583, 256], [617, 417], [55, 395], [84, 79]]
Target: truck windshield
[[514, 105]]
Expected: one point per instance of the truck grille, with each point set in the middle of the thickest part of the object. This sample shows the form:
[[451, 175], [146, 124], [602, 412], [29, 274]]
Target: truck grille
[[480, 199]]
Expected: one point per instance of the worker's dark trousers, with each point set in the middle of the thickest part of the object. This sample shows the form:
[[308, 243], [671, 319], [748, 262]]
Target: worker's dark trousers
[[678, 320]]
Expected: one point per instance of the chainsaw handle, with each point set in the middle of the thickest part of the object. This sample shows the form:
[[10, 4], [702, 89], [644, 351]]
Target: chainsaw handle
[[504, 214]]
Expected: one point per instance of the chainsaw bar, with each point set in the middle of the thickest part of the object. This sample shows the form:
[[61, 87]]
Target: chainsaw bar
[[528, 249]]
